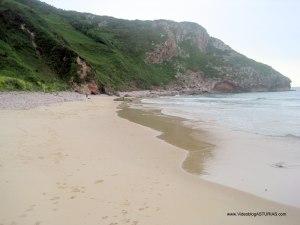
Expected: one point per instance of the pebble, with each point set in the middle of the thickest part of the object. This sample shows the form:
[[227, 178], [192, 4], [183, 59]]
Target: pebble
[[27, 100]]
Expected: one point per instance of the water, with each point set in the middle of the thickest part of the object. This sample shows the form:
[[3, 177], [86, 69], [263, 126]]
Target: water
[[257, 139], [266, 113]]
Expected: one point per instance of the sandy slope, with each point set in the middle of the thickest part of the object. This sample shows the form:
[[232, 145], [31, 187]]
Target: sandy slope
[[79, 163]]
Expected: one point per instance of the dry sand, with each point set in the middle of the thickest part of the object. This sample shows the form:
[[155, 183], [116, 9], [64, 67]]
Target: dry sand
[[79, 163]]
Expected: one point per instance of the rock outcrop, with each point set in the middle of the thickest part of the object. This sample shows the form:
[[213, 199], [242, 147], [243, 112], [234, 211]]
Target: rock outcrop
[[230, 71], [86, 84], [177, 33]]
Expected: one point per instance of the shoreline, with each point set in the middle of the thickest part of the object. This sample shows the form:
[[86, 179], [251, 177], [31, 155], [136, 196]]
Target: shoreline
[[80, 163], [173, 131], [10, 100], [169, 93], [224, 155]]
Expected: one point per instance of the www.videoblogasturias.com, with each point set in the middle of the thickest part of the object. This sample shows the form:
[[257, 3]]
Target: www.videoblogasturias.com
[[255, 214]]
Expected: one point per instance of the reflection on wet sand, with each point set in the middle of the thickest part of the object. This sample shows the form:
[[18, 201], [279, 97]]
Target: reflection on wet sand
[[173, 131]]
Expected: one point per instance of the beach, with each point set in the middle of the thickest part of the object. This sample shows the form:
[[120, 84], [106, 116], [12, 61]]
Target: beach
[[248, 145], [79, 162]]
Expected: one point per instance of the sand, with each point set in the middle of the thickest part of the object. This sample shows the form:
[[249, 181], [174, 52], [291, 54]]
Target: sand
[[265, 166], [80, 163]]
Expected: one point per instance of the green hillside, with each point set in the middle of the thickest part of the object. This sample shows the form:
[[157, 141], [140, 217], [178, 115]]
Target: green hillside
[[40, 46]]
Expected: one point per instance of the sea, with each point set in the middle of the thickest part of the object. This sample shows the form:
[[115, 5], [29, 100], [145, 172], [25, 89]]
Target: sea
[[260, 151]]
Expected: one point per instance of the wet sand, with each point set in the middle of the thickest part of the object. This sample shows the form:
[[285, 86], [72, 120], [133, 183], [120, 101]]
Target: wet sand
[[213, 151], [194, 142], [80, 163], [266, 166]]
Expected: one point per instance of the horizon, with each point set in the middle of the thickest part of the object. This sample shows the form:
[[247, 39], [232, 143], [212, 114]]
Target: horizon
[[268, 36]]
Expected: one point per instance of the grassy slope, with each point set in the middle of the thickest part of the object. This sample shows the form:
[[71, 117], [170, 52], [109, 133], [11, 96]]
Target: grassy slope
[[114, 48], [20, 67], [114, 54]]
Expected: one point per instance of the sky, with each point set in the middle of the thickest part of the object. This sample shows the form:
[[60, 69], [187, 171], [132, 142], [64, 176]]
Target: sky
[[267, 31]]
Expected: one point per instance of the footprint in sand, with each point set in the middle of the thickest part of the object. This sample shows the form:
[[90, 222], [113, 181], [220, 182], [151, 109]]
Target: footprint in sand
[[55, 198], [143, 208], [99, 181], [76, 189], [125, 203], [61, 185], [126, 221], [30, 208]]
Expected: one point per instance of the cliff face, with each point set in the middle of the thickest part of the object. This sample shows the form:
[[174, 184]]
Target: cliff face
[[231, 71], [44, 47], [177, 33]]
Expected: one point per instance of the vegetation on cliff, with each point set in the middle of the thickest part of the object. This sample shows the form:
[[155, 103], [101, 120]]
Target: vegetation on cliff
[[44, 48]]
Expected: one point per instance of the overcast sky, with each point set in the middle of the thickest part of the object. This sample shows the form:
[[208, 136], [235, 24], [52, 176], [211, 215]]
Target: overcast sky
[[265, 30]]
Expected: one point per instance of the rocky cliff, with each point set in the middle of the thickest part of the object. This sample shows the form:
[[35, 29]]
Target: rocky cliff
[[42, 47], [229, 71]]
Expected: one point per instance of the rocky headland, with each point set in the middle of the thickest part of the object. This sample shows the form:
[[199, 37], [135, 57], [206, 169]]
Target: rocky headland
[[43, 48]]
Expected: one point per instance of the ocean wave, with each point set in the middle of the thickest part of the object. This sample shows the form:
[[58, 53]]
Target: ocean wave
[[269, 114], [292, 136]]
